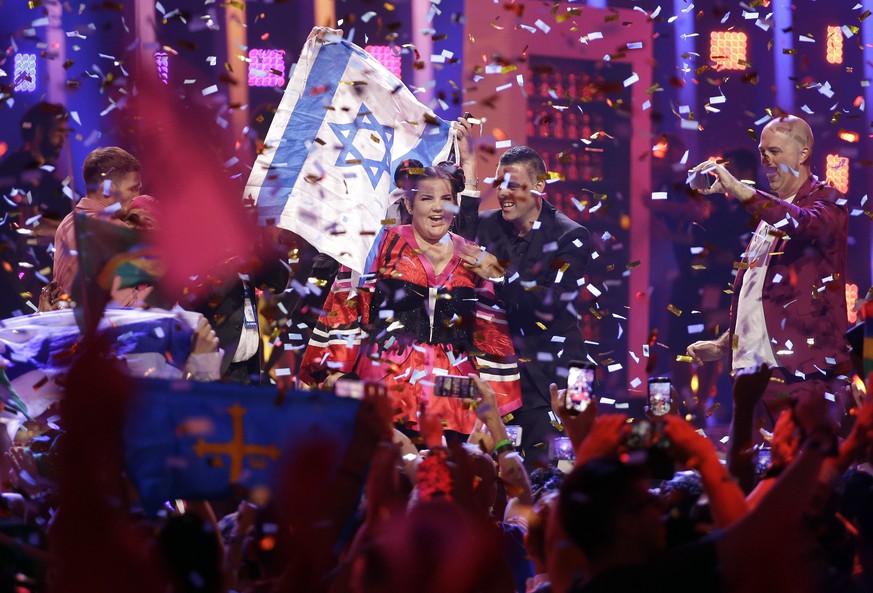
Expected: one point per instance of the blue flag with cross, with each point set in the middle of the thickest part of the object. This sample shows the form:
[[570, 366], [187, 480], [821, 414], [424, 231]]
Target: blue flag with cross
[[344, 124], [198, 440]]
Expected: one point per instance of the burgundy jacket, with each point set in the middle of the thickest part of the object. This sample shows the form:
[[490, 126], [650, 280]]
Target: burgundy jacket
[[804, 293]]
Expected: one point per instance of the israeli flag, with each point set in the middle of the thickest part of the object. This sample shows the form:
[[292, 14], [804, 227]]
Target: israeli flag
[[343, 125]]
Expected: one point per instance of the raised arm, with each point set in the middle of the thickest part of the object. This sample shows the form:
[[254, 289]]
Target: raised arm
[[512, 470], [726, 500], [749, 386], [466, 222]]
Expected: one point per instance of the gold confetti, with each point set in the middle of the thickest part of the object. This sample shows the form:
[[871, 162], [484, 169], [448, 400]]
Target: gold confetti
[[684, 358], [675, 311]]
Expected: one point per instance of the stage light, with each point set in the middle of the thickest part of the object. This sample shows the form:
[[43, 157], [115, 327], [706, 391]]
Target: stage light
[[835, 45], [659, 150], [837, 172], [386, 57], [728, 49], [851, 299], [266, 67], [162, 63], [848, 136], [25, 73]]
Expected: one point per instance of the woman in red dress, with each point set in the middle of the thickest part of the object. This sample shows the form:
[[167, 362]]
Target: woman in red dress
[[417, 313]]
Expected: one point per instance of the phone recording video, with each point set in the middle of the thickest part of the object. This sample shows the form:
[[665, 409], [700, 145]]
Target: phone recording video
[[357, 389], [579, 383], [351, 388], [514, 433], [660, 398], [455, 386], [562, 448]]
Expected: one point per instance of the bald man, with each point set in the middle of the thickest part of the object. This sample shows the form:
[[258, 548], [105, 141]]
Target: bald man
[[789, 297]]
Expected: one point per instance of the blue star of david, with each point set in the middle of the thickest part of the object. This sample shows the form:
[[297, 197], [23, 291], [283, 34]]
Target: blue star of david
[[346, 133]]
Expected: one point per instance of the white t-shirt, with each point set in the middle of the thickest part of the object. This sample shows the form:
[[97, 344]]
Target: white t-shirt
[[753, 340]]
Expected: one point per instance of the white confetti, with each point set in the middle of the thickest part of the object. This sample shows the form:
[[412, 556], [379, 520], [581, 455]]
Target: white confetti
[[631, 79], [826, 90]]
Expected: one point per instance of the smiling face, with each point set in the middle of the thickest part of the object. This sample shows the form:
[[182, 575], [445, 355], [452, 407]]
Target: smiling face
[[785, 150], [518, 202], [431, 217]]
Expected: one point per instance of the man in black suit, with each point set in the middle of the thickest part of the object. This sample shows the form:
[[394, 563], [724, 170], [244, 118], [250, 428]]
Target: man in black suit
[[536, 257], [227, 297]]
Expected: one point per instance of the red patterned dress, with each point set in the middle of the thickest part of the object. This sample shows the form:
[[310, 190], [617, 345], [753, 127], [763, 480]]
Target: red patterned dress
[[405, 324]]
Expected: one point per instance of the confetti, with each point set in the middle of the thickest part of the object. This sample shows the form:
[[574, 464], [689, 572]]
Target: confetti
[[631, 79]]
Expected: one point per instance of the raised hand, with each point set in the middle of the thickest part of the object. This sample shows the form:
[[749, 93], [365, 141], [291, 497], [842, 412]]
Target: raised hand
[[750, 383], [467, 158], [687, 445], [577, 425], [725, 182], [606, 439]]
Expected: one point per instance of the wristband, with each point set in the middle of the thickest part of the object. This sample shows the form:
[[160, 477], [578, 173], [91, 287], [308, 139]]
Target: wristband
[[504, 446], [473, 182]]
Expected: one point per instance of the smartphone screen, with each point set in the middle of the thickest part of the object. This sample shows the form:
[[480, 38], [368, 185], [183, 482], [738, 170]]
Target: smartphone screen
[[562, 448], [349, 388], [514, 433], [579, 382], [660, 400], [454, 386]]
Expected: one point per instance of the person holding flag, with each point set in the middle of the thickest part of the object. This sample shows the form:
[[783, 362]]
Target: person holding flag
[[419, 313]]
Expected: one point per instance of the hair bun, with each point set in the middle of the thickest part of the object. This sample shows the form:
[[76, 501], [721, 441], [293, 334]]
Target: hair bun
[[453, 173], [406, 171]]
